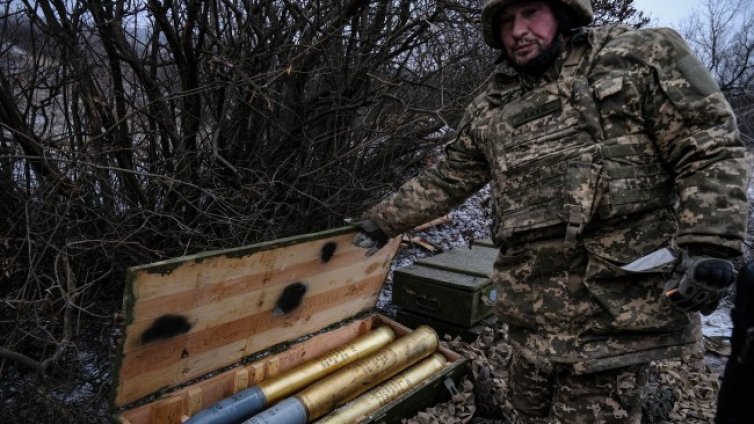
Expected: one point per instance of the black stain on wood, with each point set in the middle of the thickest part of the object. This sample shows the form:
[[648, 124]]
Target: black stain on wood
[[165, 327], [328, 250], [291, 298]]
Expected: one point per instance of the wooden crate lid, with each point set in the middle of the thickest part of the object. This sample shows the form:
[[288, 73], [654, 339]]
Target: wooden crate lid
[[188, 316]]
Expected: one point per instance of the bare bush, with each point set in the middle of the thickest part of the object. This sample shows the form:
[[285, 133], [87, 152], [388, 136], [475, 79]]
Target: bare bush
[[623, 11], [721, 34]]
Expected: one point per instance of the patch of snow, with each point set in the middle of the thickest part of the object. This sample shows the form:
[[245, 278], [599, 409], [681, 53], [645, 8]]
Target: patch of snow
[[718, 324], [76, 394], [89, 363]]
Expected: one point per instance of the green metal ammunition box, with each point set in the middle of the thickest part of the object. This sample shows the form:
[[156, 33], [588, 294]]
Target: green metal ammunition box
[[449, 287]]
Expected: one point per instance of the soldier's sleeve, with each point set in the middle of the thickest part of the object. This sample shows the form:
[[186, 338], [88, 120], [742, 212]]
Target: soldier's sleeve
[[460, 173], [696, 133]]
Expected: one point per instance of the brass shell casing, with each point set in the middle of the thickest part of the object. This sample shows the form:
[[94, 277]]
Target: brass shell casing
[[360, 408], [300, 376], [355, 379]]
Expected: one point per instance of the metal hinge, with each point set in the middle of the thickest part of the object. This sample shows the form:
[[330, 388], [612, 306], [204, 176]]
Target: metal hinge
[[450, 385]]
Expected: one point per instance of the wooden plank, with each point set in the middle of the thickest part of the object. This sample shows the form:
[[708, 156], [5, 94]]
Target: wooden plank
[[168, 411], [418, 241], [194, 401], [273, 367], [435, 222], [192, 315], [258, 371], [240, 380]]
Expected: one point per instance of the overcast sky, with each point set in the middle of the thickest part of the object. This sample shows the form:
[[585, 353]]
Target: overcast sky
[[667, 12]]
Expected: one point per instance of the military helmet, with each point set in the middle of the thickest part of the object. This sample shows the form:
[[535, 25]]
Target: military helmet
[[581, 14]]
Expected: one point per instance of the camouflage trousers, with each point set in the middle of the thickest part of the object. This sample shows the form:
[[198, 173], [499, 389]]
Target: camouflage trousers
[[557, 395]]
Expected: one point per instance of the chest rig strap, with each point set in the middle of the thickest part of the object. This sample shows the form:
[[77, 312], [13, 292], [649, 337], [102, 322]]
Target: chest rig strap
[[581, 185], [582, 178]]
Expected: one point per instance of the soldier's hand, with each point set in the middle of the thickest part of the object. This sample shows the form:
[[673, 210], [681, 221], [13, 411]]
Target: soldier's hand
[[699, 283], [369, 237]]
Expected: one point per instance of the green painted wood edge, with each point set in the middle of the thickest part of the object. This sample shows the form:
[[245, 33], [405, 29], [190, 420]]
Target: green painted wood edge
[[128, 317]]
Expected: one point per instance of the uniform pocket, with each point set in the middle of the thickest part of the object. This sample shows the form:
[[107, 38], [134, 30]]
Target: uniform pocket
[[633, 300], [606, 87], [515, 295], [617, 96]]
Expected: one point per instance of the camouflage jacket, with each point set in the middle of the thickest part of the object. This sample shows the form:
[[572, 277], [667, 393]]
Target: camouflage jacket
[[624, 146]]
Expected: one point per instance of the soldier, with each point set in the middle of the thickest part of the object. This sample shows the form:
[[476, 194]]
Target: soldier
[[602, 146], [736, 390]]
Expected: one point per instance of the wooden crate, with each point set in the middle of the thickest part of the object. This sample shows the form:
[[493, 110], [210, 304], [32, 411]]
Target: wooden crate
[[199, 315], [449, 287]]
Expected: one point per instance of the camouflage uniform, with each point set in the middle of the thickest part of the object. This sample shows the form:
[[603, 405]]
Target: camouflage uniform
[[624, 146]]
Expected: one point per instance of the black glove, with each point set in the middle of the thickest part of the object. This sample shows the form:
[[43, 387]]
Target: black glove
[[370, 236], [699, 283]]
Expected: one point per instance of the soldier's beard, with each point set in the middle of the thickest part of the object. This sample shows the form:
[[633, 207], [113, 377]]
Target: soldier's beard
[[538, 65]]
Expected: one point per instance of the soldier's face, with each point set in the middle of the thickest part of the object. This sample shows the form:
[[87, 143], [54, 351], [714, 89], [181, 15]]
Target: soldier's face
[[526, 29]]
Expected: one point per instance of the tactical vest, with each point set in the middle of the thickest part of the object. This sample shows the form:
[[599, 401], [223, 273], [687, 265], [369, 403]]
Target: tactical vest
[[562, 156]]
